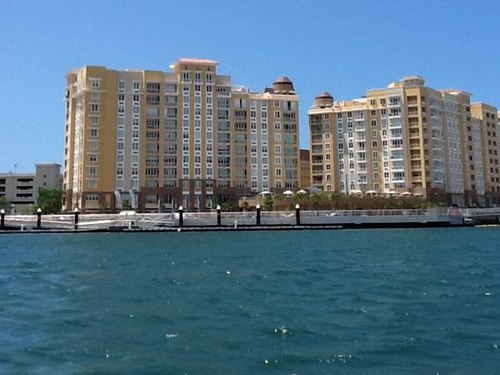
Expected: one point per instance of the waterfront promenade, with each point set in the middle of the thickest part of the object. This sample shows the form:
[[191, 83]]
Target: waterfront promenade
[[130, 221]]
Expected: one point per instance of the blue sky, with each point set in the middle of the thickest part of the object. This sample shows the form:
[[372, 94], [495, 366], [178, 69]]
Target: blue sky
[[344, 47]]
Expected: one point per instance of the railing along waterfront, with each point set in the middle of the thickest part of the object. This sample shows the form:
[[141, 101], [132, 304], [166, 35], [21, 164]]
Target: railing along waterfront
[[152, 221]]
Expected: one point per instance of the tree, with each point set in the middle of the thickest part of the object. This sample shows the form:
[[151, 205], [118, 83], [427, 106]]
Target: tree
[[317, 199], [268, 202], [49, 200]]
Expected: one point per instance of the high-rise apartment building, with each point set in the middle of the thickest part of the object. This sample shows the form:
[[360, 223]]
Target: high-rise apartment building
[[152, 140], [406, 139]]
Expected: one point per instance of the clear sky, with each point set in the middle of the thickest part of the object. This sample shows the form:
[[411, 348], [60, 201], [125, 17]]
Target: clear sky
[[343, 47]]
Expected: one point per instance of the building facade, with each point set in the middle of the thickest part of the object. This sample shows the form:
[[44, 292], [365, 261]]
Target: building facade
[[153, 141], [20, 190], [406, 139], [305, 169]]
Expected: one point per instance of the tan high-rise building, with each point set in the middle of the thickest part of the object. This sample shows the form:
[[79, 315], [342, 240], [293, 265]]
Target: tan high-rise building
[[406, 139], [486, 117], [152, 140], [305, 169]]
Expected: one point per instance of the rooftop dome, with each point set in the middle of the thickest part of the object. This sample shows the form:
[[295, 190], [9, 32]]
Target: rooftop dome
[[283, 85], [324, 95], [323, 100], [282, 80]]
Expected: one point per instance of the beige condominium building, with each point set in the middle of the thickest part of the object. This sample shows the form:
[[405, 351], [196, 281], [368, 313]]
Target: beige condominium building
[[406, 139], [153, 140]]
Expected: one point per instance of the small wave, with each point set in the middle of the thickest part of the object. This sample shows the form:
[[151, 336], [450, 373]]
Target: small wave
[[283, 331]]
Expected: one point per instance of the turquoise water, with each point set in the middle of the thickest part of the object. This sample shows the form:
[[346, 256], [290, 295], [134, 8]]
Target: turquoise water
[[419, 301]]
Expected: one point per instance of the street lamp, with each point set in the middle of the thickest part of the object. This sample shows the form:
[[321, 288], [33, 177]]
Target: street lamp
[[2, 219], [219, 218], [181, 216], [38, 218], [77, 213], [297, 214], [257, 208]]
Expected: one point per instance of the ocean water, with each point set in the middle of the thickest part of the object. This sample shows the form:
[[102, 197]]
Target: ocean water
[[419, 301]]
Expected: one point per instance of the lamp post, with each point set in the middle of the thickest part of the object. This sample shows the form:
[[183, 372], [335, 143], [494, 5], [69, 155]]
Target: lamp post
[[219, 218], [39, 218], [258, 214], [181, 216], [2, 219], [297, 214], [77, 214]]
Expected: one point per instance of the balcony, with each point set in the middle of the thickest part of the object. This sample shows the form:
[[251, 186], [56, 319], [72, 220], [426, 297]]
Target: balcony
[[317, 170], [416, 166], [316, 139], [414, 135], [317, 149], [414, 146]]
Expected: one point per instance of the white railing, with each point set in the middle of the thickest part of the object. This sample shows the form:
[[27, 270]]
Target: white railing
[[151, 221]]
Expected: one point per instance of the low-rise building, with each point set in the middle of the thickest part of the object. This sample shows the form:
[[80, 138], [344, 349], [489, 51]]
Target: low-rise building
[[21, 189]]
